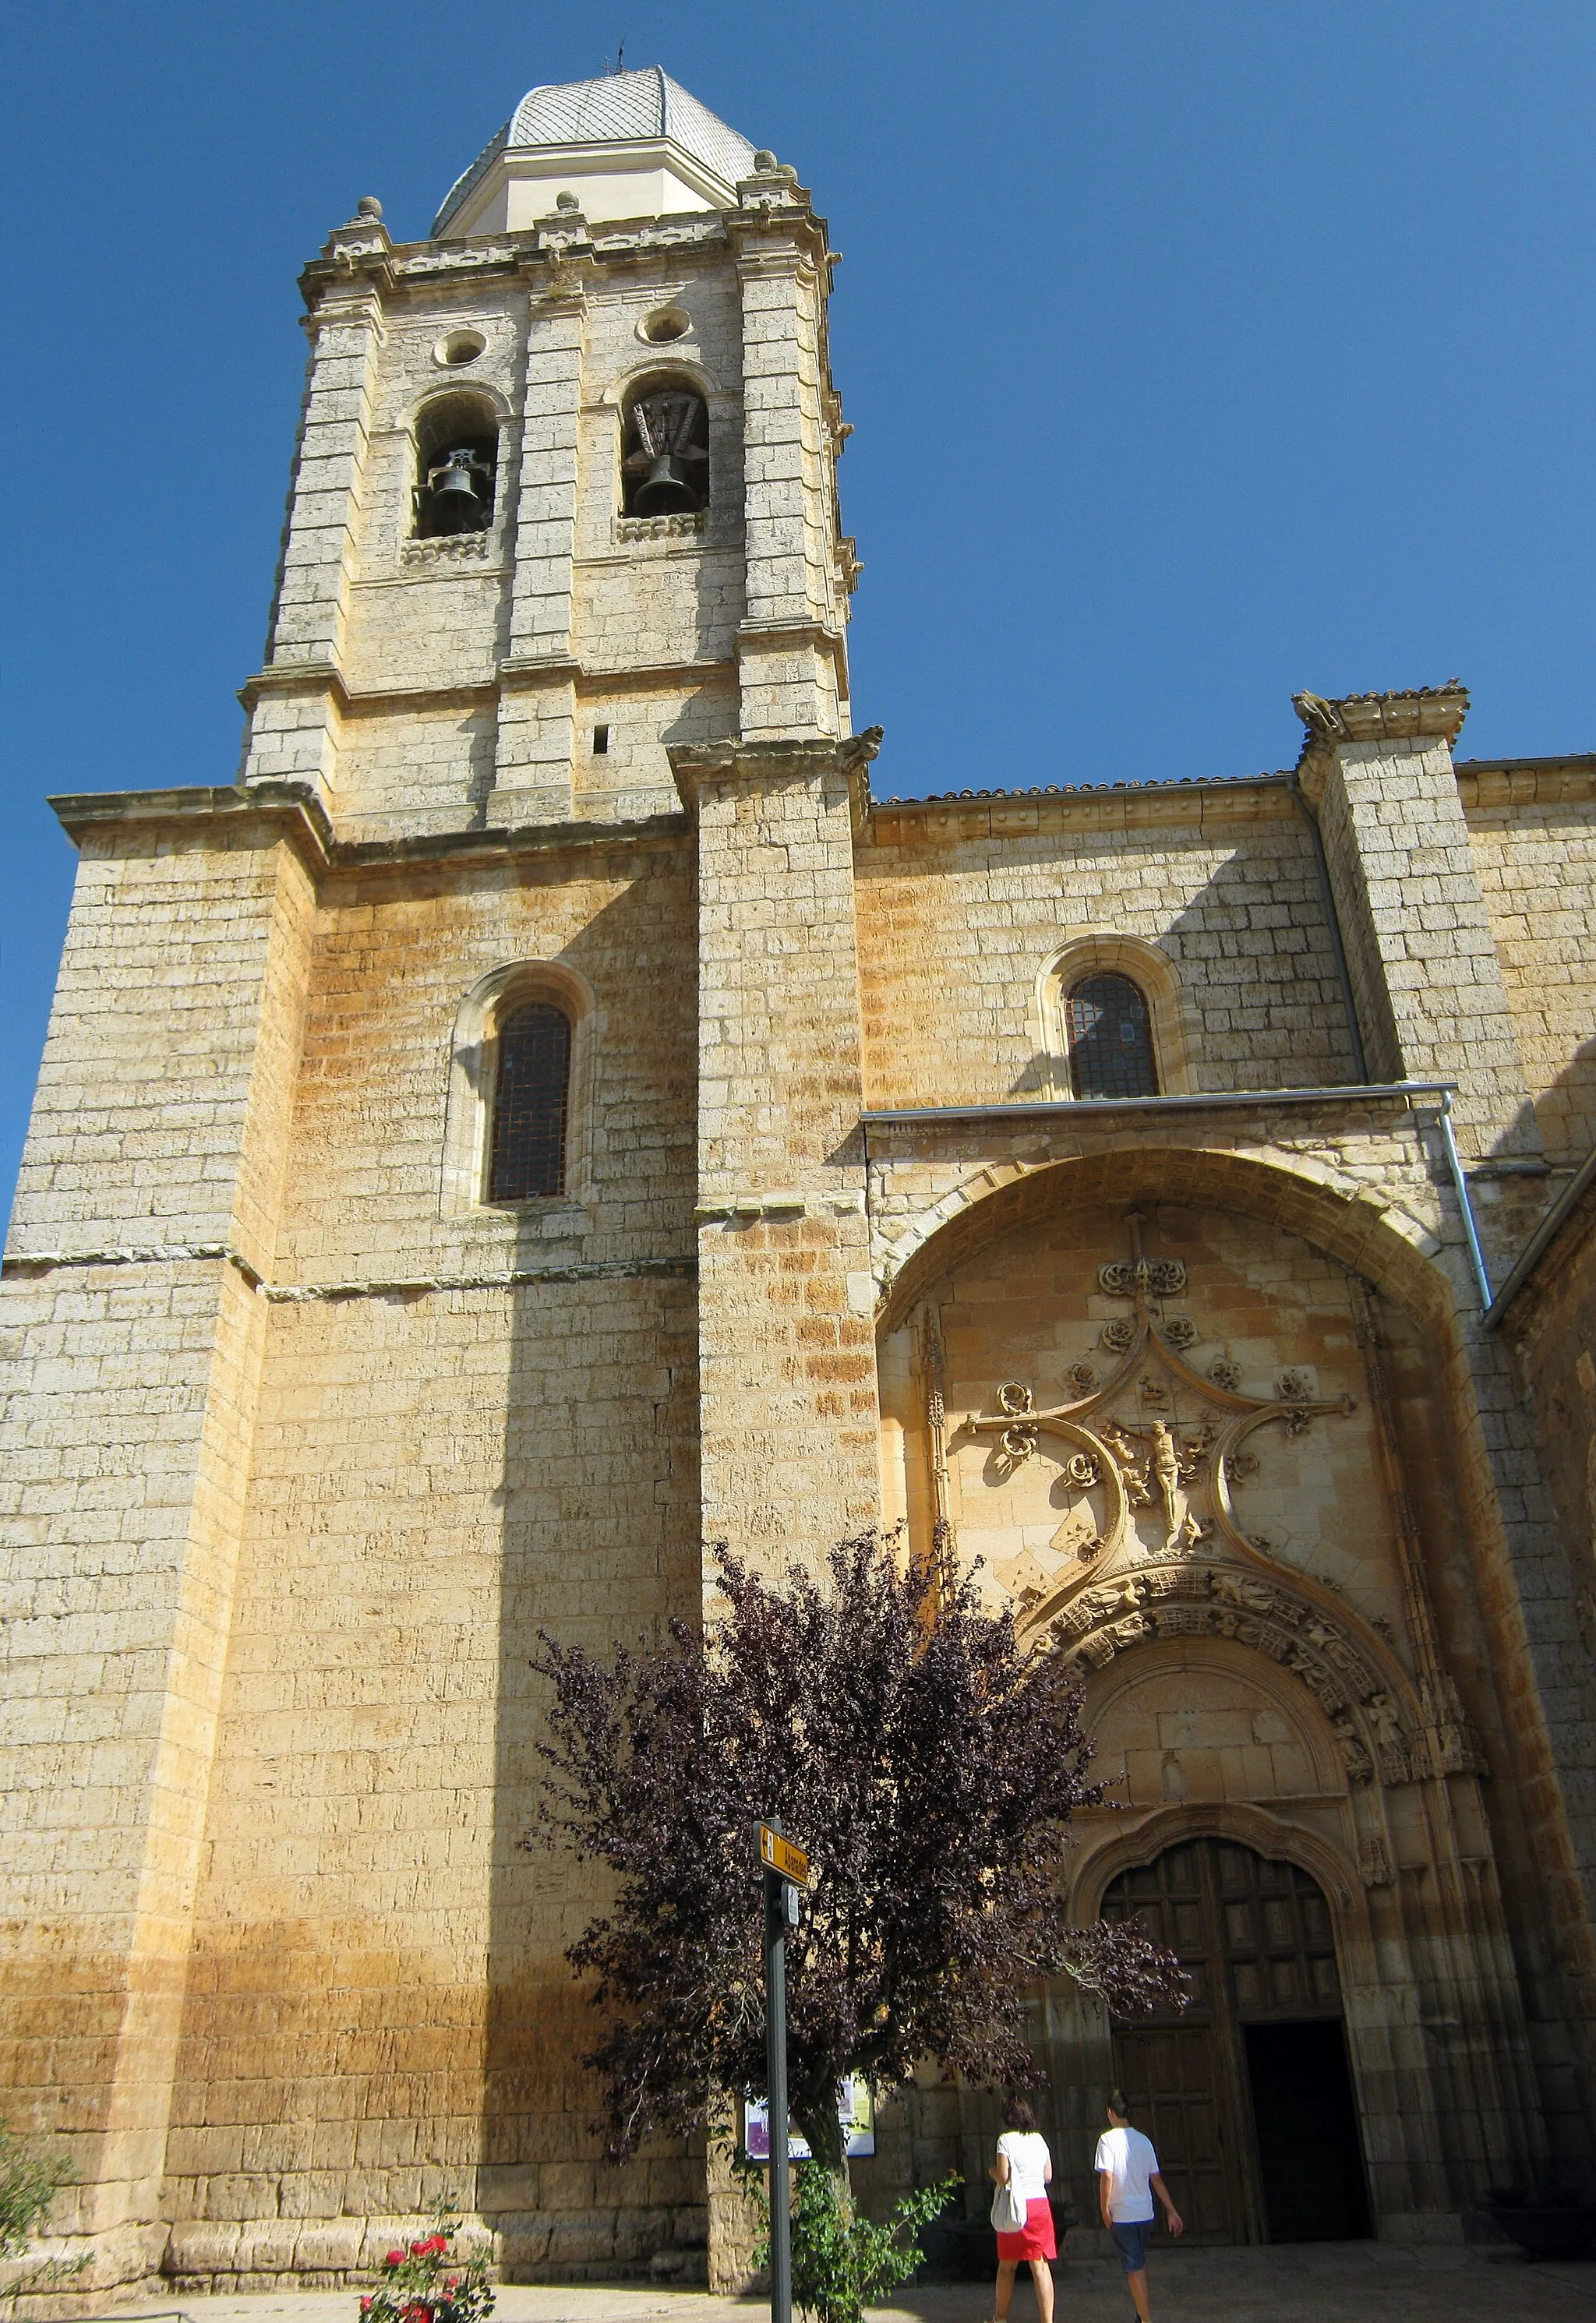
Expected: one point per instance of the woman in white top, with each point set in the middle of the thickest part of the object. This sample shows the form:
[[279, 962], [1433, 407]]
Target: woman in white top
[[1024, 2163]]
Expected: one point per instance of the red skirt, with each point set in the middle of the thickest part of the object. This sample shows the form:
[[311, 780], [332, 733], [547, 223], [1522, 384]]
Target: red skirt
[[1035, 2238]]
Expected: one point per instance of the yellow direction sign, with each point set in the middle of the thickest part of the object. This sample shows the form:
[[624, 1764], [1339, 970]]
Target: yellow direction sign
[[779, 1855]]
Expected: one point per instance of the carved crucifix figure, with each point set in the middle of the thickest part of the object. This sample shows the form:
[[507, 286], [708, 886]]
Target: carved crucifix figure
[[1166, 1468]]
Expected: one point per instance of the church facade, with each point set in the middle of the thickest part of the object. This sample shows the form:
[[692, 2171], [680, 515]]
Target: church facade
[[549, 1116]]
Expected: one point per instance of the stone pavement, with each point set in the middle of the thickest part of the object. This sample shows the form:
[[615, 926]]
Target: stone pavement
[[1323, 2282]]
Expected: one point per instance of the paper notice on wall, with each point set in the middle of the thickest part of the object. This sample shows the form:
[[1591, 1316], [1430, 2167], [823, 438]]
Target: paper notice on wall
[[855, 2110]]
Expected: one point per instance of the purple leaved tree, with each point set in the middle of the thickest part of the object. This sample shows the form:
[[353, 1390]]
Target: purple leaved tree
[[929, 1766]]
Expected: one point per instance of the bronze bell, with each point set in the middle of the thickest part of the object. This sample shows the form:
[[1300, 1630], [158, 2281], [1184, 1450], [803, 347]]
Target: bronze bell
[[665, 490], [455, 501]]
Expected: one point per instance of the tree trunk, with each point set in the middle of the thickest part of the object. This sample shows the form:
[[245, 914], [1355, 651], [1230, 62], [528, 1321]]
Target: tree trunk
[[824, 2133]]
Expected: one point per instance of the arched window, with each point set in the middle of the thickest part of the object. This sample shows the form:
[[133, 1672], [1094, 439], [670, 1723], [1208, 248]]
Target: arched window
[[1110, 1035], [664, 461], [456, 466], [531, 1101]]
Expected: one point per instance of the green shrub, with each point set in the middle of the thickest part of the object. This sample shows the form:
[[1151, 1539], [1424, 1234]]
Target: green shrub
[[842, 2259], [30, 2180]]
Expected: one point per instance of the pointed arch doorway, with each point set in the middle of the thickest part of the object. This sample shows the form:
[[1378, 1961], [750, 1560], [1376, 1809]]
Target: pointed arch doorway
[[1247, 2094]]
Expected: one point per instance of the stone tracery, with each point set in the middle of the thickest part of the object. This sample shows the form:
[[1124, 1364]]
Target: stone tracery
[[1151, 1456]]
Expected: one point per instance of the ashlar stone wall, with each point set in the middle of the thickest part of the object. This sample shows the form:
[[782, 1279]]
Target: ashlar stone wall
[[441, 1469], [1532, 829], [965, 907], [129, 1371]]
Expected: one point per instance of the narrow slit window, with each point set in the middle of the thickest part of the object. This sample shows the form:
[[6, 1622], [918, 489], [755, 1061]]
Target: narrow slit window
[[531, 1101], [1110, 1039], [601, 741]]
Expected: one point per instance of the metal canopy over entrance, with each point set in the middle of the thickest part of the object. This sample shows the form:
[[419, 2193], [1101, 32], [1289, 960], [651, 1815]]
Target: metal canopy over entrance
[[1246, 2095]]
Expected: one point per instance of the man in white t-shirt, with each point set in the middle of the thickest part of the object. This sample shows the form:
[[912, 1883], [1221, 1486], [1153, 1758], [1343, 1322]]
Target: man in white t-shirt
[[1127, 2180]]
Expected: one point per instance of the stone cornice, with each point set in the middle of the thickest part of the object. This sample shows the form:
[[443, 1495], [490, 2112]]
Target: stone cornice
[[286, 809], [34, 1262], [295, 677], [774, 636], [1488, 786], [1421, 711], [516, 672], [1424, 713], [775, 221], [1188, 805], [494, 846], [293, 810], [779, 760], [362, 253], [359, 251], [800, 632]]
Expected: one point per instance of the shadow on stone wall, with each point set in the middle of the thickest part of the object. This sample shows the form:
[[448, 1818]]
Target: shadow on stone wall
[[599, 1505]]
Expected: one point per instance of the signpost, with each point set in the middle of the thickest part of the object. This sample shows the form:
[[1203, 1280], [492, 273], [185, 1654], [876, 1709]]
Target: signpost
[[786, 1871], [779, 1854]]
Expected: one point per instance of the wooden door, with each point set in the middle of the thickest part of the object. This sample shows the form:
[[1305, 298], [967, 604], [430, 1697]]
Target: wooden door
[[1275, 1927], [1180, 2071], [1169, 2075], [1256, 1940]]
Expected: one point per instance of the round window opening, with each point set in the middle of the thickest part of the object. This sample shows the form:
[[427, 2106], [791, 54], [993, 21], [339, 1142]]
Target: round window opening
[[459, 347], [665, 323]]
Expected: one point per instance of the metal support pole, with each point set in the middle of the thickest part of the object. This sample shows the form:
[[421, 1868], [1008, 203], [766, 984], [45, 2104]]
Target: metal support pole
[[1461, 1188], [776, 2085]]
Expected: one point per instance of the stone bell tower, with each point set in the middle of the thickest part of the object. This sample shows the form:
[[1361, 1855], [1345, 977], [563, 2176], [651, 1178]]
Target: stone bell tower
[[626, 624], [554, 709], [532, 657]]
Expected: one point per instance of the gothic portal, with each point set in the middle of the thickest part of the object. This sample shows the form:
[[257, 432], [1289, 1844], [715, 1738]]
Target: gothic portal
[[549, 1113]]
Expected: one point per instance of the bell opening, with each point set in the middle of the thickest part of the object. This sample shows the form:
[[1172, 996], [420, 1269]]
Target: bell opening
[[665, 456], [454, 475]]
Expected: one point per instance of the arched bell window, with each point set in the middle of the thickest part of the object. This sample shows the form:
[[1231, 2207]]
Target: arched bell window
[[1110, 1035], [664, 461], [531, 1104], [456, 467]]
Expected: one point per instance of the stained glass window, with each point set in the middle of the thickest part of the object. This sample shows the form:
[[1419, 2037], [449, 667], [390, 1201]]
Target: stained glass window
[[530, 1101], [1110, 1039]]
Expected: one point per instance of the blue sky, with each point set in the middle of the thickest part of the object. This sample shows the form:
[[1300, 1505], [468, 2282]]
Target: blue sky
[[1196, 353]]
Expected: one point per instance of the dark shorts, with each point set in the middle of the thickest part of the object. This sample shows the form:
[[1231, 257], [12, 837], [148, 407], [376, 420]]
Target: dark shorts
[[1130, 2239]]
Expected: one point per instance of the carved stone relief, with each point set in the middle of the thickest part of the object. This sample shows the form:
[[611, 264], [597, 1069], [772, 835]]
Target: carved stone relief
[[1158, 1447], [1147, 1458]]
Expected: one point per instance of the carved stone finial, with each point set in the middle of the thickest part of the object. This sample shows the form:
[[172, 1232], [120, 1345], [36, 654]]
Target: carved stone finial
[[369, 206], [764, 160], [567, 201]]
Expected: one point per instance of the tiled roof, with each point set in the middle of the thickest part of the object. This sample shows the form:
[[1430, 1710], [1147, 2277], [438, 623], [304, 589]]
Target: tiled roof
[[614, 108]]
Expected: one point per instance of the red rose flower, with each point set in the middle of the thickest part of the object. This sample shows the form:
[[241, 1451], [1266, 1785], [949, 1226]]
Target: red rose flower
[[394, 2258]]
